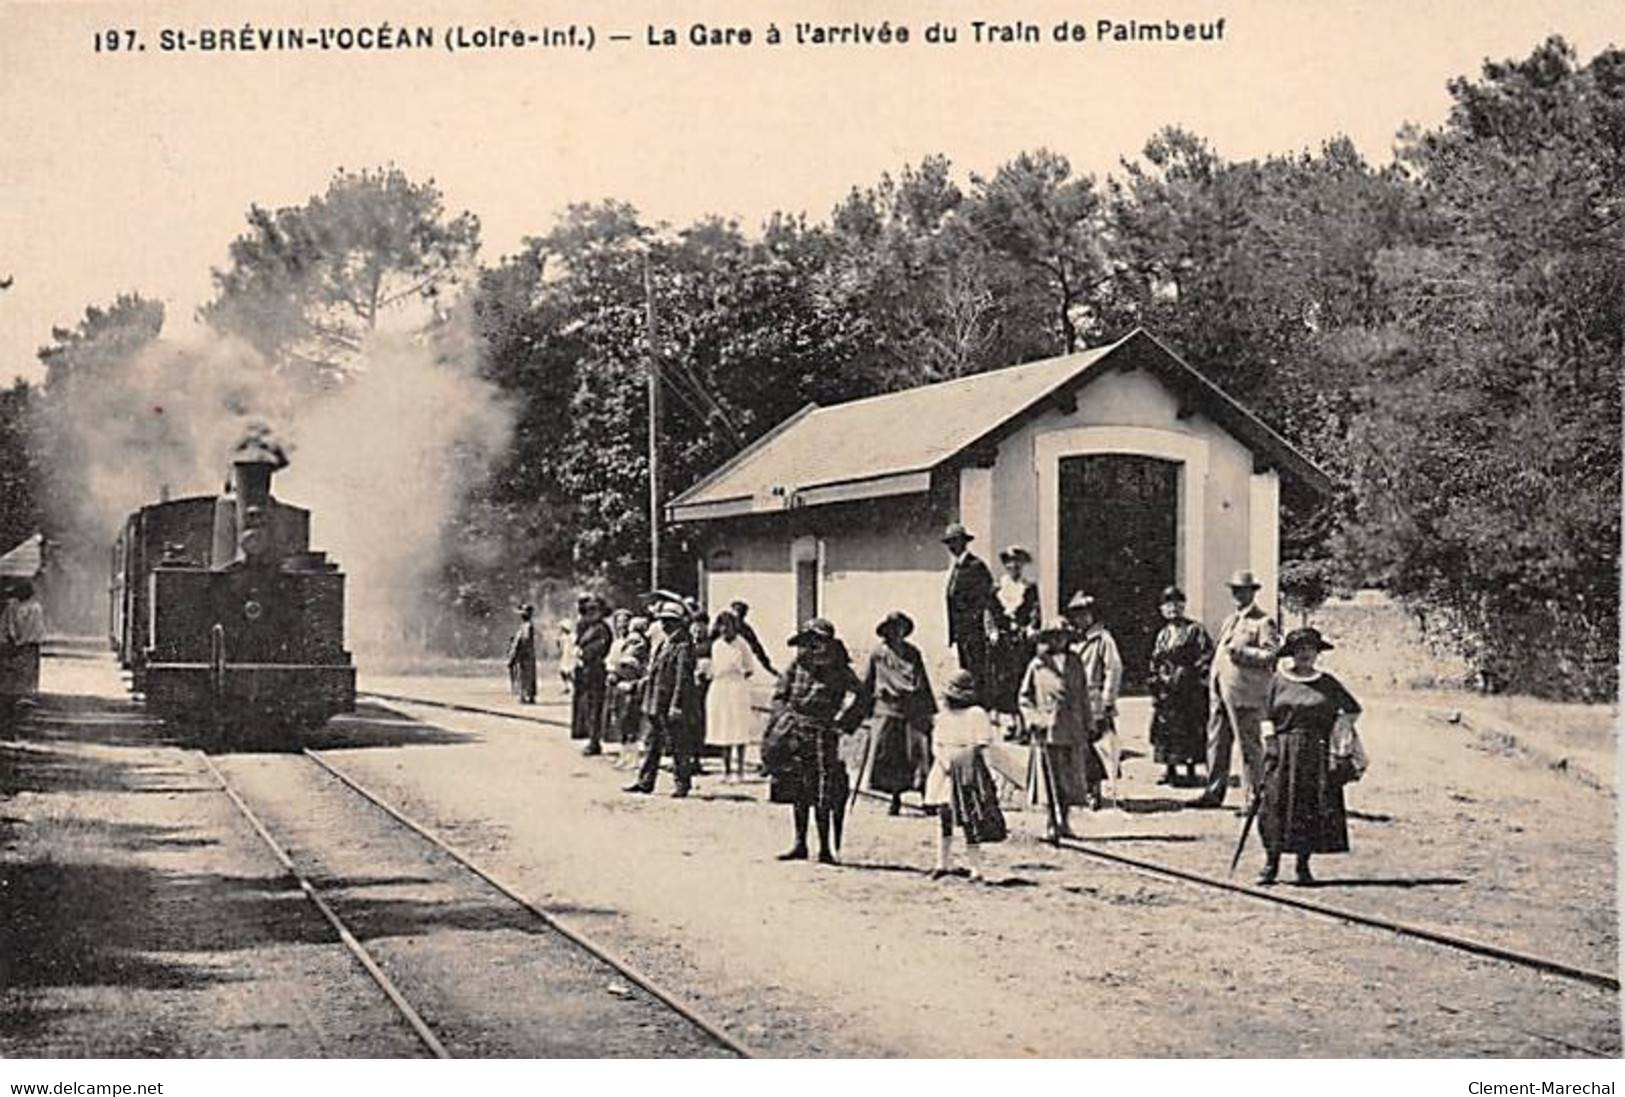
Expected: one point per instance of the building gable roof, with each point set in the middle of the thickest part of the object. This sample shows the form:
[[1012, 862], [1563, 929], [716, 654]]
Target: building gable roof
[[24, 559], [889, 444]]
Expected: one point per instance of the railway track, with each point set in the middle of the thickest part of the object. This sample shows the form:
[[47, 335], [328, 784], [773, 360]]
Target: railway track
[[433, 1041], [1487, 950]]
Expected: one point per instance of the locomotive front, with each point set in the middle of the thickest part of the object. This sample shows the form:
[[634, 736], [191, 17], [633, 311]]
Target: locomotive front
[[225, 616]]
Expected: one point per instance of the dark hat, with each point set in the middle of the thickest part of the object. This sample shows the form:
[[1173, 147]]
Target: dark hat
[[816, 627], [739, 607], [1171, 594], [957, 532], [1081, 600], [1244, 578], [585, 600], [526, 609], [1016, 552], [960, 689], [895, 622], [1305, 638]]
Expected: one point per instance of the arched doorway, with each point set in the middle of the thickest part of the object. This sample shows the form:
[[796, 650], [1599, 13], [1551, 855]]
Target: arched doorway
[[1119, 540]]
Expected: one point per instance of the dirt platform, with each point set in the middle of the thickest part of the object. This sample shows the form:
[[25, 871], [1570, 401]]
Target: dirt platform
[[1065, 956]]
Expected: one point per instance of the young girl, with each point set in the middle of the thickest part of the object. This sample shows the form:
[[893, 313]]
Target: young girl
[[728, 720], [960, 728]]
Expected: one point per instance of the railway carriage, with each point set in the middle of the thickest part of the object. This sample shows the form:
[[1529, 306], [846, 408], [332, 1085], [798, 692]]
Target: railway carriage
[[222, 614]]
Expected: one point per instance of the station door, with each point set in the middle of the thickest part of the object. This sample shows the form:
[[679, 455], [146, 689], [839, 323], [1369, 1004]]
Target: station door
[[1119, 527]]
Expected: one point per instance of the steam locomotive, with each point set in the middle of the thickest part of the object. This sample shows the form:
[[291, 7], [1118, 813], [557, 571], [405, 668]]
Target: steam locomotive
[[227, 621]]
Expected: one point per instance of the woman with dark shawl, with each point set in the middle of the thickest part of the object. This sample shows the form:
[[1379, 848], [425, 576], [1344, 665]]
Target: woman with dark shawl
[[1300, 807], [1180, 658], [900, 689], [801, 747]]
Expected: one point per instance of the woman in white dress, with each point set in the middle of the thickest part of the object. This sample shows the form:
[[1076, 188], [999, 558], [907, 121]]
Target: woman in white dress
[[728, 720]]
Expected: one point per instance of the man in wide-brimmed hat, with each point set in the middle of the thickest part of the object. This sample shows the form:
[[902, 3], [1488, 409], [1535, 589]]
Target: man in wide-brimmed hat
[[670, 693], [1243, 663], [971, 621]]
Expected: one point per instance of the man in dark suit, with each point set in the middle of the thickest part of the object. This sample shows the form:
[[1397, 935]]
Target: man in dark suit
[[671, 696], [970, 602]]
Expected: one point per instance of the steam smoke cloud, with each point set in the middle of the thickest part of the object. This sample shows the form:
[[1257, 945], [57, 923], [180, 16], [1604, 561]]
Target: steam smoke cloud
[[383, 466], [382, 463]]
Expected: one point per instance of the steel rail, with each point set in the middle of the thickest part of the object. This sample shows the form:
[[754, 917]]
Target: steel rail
[[683, 1008], [362, 956], [1544, 964]]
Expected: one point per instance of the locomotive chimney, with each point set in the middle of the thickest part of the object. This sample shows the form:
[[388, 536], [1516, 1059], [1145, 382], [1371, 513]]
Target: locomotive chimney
[[256, 458]]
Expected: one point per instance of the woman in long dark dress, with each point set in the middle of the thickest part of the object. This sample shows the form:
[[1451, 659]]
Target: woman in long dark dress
[[1300, 801], [811, 713], [1015, 606], [1180, 658], [522, 657], [900, 689]]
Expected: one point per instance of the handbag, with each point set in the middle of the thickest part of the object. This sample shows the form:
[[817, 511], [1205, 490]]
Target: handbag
[[781, 742], [1349, 760]]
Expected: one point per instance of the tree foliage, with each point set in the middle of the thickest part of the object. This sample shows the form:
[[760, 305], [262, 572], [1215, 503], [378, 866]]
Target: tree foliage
[[1487, 475], [1443, 335], [19, 512], [307, 284]]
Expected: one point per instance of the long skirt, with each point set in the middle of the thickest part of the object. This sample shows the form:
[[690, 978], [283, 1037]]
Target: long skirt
[[522, 677], [1066, 768], [729, 721], [902, 756], [1300, 808], [815, 776], [964, 784], [586, 703], [19, 670], [1007, 663], [1179, 727]]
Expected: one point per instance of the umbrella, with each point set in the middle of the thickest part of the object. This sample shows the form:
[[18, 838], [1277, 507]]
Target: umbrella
[[1246, 829]]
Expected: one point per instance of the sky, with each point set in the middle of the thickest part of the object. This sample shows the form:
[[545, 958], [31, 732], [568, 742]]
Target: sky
[[132, 171]]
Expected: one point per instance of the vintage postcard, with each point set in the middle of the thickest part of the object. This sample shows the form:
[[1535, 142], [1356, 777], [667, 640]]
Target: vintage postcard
[[811, 530]]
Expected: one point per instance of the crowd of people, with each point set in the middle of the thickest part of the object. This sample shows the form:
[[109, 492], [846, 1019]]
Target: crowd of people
[[1034, 701]]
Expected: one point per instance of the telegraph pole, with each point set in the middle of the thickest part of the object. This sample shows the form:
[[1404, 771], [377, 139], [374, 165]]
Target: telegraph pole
[[654, 423]]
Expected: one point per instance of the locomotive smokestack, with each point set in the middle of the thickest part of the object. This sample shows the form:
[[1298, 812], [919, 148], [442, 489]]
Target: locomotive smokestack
[[253, 462], [255, 459]]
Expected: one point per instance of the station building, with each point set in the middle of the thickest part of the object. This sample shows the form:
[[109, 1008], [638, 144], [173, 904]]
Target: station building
[[1122, 469]]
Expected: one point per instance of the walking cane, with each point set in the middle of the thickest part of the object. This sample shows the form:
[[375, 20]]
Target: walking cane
[[1047, 776], [1246, 829], [864, 765]]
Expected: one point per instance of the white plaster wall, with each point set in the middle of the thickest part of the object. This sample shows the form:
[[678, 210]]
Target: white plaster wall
[[1264, 535], [771, 597], [1137, 400]]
